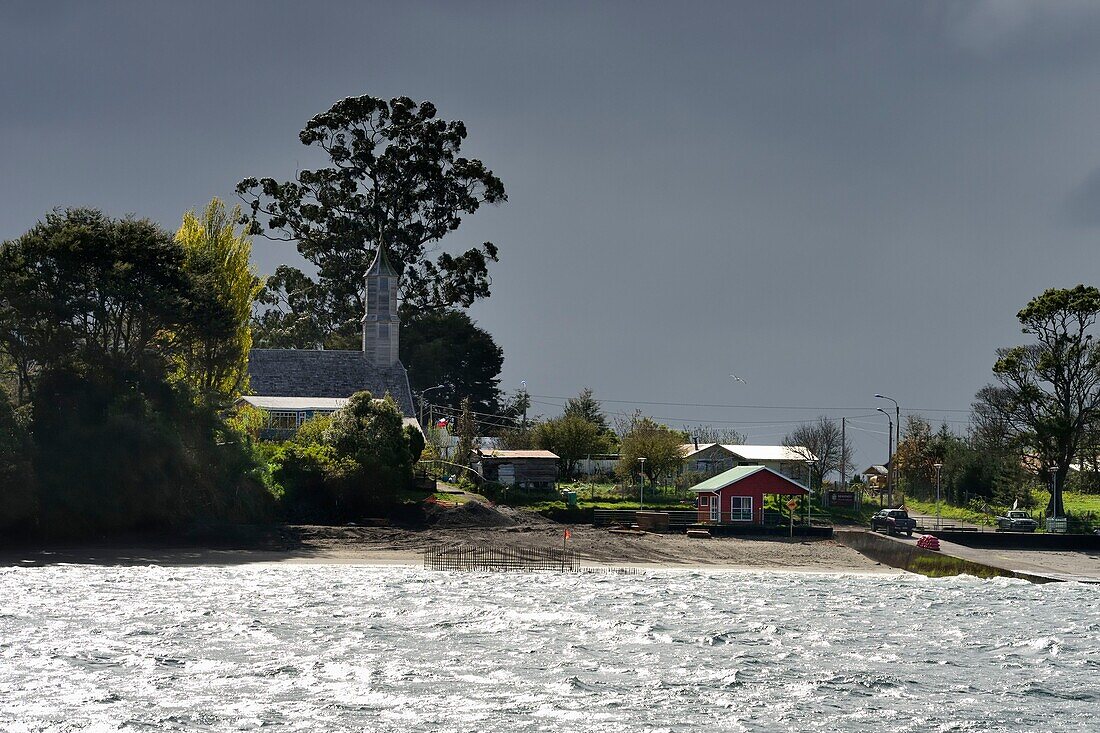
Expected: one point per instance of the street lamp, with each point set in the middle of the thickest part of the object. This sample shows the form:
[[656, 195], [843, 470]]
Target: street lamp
[[810, 486], [938, 467], [889, 459], [897, 429], [641, 482], [526, 399]]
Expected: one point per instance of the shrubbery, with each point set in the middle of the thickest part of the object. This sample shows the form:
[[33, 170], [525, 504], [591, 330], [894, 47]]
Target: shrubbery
[[346, 466], [91, 309]]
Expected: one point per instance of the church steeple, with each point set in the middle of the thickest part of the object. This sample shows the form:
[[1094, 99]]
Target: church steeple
[[381, 325]]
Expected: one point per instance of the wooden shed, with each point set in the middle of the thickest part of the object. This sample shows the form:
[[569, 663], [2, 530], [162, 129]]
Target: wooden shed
[[737, 495], [534, 469]]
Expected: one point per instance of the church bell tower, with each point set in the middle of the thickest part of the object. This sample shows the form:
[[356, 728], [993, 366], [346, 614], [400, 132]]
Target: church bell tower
[[381, 325]]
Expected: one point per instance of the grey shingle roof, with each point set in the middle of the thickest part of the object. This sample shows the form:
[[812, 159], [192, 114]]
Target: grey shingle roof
[[309, 373]]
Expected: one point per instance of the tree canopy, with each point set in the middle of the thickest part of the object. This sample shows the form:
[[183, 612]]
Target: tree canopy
[[587, 407], [642, 437], [571, 438], [211, 349], [446, 349], [820, 443], [1047, 397], [81, 290], [90, 312], [396, 178]]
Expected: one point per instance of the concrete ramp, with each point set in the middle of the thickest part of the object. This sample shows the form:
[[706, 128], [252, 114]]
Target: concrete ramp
[[904, 554]]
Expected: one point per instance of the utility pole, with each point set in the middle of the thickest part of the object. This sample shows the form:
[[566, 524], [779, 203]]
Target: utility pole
[[889, 457], [843, 460], [844, 453], [938, 467], [891, 479], [526, 399]]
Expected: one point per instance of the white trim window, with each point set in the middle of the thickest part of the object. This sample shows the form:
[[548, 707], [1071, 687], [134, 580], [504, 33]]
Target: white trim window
[[283, 420], [740, 508], [704, 500]]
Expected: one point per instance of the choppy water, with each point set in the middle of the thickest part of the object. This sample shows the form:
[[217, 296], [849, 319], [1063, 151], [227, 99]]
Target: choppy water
[[333, 648]]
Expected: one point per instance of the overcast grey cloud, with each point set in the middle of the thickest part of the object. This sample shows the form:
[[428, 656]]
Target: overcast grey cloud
[[1083, 203], [827, 199]]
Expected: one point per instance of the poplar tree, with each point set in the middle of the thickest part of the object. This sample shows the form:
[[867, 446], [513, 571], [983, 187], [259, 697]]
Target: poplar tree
[[211, 349]]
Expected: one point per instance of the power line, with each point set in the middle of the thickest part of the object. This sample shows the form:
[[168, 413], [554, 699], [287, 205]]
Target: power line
[[752, 407]]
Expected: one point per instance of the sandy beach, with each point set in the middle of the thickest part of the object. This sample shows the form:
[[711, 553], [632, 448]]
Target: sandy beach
[[595, 547]]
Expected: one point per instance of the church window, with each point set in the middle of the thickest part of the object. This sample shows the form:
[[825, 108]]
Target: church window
[[383, 296]]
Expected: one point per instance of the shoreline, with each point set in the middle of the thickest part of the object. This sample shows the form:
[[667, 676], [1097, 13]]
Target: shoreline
[[595, 548], [206, 557]]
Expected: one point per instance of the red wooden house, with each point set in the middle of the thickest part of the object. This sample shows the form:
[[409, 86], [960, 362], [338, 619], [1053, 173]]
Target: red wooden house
[[737, 495]]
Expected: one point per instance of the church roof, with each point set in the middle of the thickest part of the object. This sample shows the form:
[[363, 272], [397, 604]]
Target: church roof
[[317, 373], [381, 264]]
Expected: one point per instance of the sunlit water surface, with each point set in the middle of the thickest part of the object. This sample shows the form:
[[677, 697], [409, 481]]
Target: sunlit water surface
[[333, 648]]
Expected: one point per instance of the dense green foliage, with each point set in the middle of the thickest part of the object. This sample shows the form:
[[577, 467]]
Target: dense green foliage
[[446, 352], [1045, 405], [348, 465], [642, 437], [86, 293], [586, 407], [211, 346], [571, 438], [396, 177], [88, 307], [18, 498], [970, 469]]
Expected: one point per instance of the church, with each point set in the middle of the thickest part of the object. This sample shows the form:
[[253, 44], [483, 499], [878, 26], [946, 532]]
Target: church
[[293, 385]]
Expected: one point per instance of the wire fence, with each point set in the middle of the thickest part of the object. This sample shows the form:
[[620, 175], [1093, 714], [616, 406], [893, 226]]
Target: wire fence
[[497, 558]]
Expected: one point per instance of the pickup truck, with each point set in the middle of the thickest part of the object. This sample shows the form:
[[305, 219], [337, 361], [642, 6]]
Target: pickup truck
[[1015, 521], [893, 521]]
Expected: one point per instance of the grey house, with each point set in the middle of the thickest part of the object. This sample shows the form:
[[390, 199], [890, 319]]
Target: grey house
[[315, 377]]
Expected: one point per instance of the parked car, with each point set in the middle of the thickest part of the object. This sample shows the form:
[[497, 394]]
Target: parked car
[[893, 521], [1016, 521]]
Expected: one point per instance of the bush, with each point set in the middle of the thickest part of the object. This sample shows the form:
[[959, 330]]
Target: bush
[[313, 430], [18, 495], [111, 460], [302, 473], [369, 433]]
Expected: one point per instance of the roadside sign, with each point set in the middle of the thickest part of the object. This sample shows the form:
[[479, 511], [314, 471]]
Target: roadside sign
[[792, 504], [842, 498]]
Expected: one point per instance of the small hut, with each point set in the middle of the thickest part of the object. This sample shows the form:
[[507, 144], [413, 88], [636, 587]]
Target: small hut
[[530, 469]]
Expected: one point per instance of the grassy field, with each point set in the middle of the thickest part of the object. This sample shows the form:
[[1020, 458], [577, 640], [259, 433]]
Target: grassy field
[[1075, 503], [948, 511]]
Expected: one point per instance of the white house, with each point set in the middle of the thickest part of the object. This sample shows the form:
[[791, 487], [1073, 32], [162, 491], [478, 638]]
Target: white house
[[717, 457]]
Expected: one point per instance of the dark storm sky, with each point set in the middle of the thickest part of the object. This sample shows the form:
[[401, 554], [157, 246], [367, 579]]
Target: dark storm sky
[[828, 199]]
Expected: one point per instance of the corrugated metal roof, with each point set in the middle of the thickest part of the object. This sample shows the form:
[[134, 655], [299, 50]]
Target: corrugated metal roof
[[687, 450], [770, 453], [753, 452], [270, 402], [518, 454], [726, 478], [736, 474]]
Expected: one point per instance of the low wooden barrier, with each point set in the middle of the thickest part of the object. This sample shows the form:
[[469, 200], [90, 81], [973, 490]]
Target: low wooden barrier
[[677, 519], [495, 558]]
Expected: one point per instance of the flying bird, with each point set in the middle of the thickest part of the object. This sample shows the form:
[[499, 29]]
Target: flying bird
[[742, 381]]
